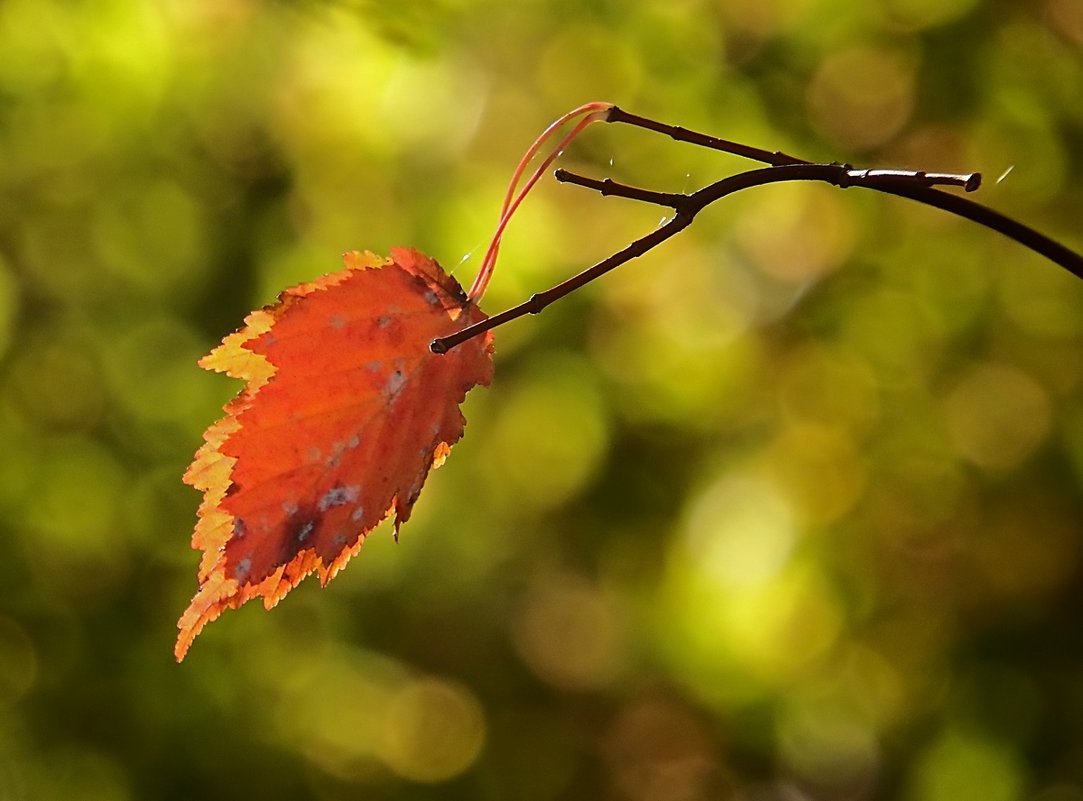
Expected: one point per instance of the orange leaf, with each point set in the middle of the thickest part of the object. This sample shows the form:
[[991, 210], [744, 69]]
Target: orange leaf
[[344, 412]]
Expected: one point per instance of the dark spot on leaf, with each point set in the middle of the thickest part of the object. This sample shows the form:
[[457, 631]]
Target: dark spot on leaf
[[338, 496], [298, 534], [305, 531]]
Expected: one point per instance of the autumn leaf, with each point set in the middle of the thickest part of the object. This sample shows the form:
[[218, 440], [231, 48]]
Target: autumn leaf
[[353, 389], [344, 412]]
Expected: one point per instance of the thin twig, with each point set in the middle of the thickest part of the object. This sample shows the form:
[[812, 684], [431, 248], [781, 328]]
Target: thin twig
[[776, 158], [609, 188]]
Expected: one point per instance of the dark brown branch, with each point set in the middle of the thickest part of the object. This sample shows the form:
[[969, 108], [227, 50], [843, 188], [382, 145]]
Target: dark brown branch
[[687, 207], [983, 215], [919, 186], [540, 300], [1023, 234], [841, 175]]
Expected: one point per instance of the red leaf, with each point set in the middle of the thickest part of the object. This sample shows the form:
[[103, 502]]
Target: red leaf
[[344, 413]]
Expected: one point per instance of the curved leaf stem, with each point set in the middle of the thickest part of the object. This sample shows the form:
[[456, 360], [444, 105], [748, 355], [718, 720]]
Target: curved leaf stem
[[590, 113]]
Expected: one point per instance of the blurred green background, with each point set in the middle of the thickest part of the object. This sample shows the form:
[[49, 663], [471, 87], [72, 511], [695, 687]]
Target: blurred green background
[[789, 509]]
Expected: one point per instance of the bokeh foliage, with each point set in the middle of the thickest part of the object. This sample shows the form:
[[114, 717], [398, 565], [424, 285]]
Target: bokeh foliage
[[790, 508]]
